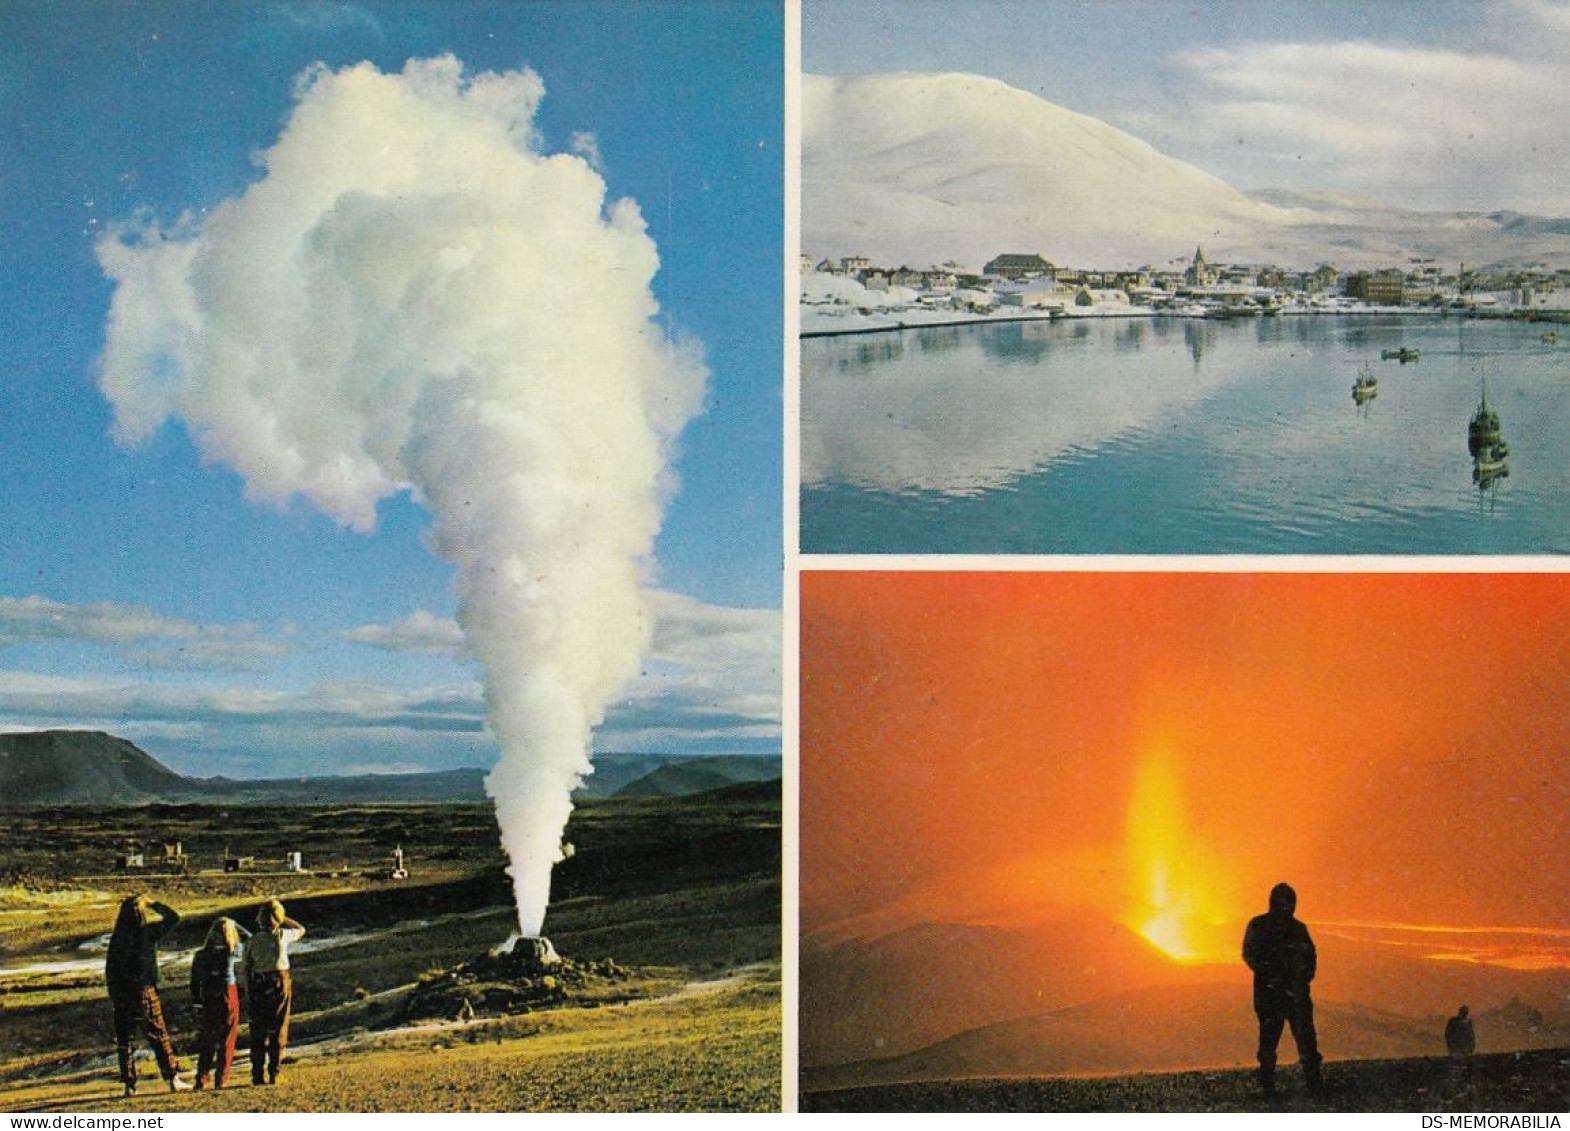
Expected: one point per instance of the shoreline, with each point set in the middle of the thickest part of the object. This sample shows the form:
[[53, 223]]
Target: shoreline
[[1551, 316]]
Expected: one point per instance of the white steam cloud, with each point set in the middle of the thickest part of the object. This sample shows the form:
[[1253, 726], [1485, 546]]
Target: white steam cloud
[[414, 297]]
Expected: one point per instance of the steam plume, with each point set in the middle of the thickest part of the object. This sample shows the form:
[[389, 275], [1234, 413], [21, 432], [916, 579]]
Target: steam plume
[[414, 297]]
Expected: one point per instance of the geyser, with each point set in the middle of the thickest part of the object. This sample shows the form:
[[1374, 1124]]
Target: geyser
[[534, 952], [414, 297]]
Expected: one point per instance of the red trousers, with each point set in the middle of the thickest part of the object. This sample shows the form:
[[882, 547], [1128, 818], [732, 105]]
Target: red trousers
[[138, 1007], [217, 1030]]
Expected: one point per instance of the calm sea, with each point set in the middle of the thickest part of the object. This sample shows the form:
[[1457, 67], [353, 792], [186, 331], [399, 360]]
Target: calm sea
[[1179, 436]]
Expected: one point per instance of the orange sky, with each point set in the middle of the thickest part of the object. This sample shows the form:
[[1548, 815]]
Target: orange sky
[[1393, 745]]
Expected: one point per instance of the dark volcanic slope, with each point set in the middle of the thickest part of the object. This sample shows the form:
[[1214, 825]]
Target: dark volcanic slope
[[73, 767], [1537, 1081]]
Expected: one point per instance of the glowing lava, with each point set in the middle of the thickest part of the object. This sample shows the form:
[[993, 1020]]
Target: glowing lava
[[1173, 899]]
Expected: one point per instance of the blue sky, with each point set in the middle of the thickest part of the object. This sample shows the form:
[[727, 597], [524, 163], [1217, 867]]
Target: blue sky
[[141, 593], [1435, 104]]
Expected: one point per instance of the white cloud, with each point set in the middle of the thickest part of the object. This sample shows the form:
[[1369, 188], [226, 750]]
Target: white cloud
[[1543, 16], [419, 633], [698, 649], [24, 619], [319, 18], [141, 635], [690, 632], [712, 682], [357, 768], [1427, 127], [586, 144], [31, 700]]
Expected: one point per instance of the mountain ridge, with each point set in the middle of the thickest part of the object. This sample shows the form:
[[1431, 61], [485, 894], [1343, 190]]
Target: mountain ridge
[[77, 767]]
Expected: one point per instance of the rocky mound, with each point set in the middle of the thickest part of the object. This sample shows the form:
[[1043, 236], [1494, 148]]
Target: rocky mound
[[499, 984]]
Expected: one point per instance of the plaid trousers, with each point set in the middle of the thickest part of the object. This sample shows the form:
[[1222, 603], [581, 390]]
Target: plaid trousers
[[138, 1007]]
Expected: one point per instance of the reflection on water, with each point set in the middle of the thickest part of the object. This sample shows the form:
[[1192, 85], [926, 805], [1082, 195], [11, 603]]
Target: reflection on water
[[940, 338], [1016, 343], [1182, 436]]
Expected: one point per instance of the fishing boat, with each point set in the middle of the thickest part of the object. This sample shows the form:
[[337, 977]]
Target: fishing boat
[[1485, 439], [1403, 355], [1486, 472], [1551, 338], [1365, 388], [1484, 433]]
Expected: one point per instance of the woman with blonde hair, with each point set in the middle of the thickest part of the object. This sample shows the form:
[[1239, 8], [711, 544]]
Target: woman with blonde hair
[[269, 992], [217, 1000], [131, 970]]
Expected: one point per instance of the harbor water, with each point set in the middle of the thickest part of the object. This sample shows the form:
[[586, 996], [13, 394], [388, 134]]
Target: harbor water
[[1184, 436]]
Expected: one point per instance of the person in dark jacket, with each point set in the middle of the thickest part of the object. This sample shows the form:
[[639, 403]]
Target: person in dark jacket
[[1278, 949], [132, 973], [217, 1000], [1460, 1037]]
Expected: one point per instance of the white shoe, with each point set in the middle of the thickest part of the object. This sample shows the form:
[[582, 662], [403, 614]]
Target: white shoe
[[179, 1083]]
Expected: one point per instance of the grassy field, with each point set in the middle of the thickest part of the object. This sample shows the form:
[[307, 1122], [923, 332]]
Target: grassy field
[[669, 908], [713, 1047], [1537, 1081]]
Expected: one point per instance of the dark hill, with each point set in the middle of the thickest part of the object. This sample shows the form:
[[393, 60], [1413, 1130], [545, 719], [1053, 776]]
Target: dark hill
[[1163, 1028], [1536, 1081], [683, 776], [882, 1003], [69, 767], [867, 998], [72, 767], [762, 792]]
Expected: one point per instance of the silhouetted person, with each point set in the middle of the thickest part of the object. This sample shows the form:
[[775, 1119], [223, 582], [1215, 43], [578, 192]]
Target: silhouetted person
[[1278, 949], [131, 969], [1460, 1038]]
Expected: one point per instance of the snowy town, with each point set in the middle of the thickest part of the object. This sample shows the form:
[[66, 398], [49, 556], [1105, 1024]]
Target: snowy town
[[853, 294]]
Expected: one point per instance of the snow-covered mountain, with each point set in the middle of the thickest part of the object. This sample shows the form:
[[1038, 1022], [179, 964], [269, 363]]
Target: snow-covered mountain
[[927, 168]]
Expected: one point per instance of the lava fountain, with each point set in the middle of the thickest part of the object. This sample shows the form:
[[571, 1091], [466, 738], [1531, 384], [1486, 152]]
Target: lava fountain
[[413, 298], [1175, 899]]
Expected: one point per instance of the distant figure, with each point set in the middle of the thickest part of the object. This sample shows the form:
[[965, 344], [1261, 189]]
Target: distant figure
[[217, 1000], [1460, 1038], [1278, 949], [131, 970], [269, 993]]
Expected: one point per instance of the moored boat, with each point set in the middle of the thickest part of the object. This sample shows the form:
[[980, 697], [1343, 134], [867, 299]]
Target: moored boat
[[1485, 439], [1366, 387], [1484, 432]]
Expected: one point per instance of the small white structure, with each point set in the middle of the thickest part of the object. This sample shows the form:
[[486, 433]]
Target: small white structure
[[291, 862], [1038, 296]]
